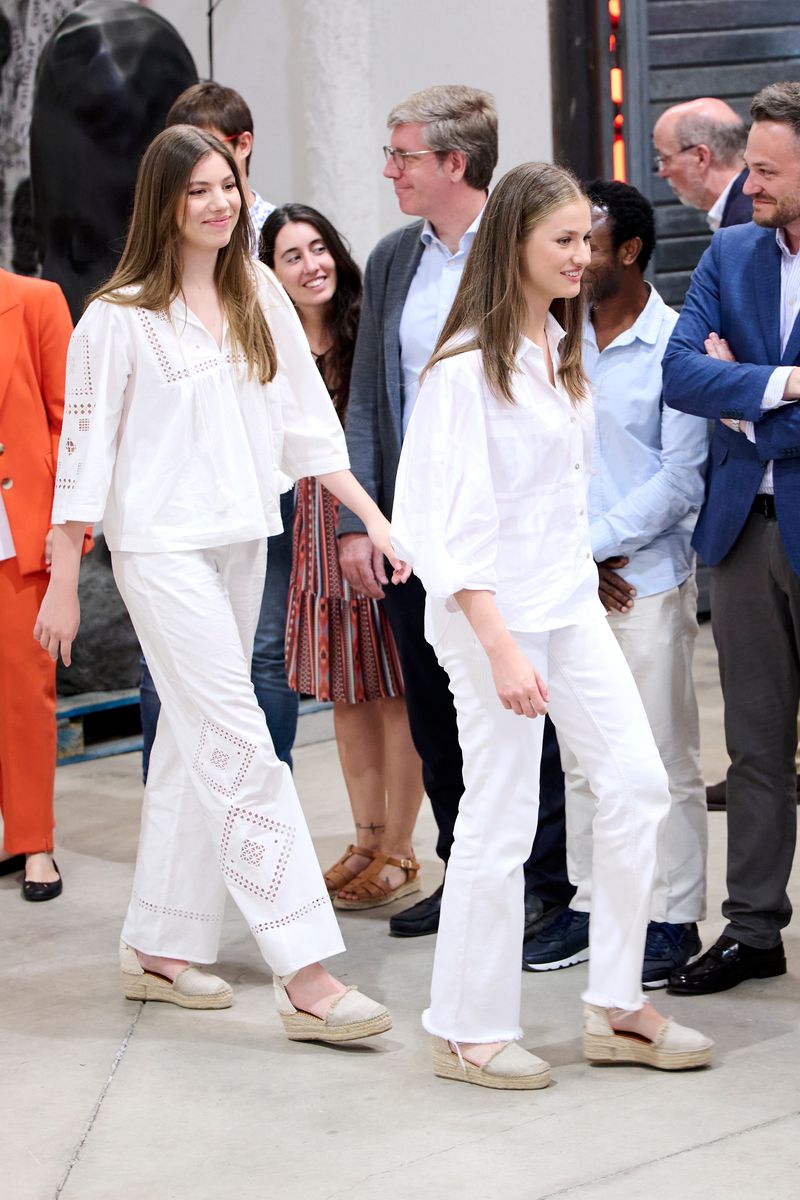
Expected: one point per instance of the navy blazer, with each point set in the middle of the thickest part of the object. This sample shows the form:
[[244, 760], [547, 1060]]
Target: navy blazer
[[735, 292], [738, 207], [374, 424]]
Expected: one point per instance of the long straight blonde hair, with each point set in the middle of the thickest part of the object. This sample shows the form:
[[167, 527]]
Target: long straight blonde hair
[[151, 260], [490, 305]]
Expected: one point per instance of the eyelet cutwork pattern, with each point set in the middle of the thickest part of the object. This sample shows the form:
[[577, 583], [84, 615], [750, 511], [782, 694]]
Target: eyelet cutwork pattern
[[252, 853], [251, 839], [78, 409], [222, 758], [164, 910], [297, 915], [172, 373]]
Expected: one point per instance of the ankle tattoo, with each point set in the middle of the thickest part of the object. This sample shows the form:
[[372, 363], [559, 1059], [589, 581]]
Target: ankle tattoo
[[371, 828]]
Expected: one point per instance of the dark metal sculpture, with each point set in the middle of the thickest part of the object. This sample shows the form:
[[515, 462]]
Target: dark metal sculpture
[[105, 81]]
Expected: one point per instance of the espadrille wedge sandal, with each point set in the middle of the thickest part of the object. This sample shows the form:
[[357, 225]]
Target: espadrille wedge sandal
[[676, 1048], [510, 1068], [351, 1016], [192, 988]]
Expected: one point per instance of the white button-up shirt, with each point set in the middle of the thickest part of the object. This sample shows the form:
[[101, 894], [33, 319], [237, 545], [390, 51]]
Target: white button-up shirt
[[492, 495], [169, 442], [427, 306]]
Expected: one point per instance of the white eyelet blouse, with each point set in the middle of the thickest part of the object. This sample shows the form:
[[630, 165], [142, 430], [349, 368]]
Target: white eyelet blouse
[[169, 443]]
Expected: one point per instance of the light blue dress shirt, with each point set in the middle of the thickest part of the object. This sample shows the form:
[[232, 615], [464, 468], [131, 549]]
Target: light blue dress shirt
[[648, 461], [429, 300]]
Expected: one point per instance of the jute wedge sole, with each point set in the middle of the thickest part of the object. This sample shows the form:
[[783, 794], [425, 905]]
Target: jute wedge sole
[[192, 988], [156, 987], [676, 1048], [303, 1027], [350, 1017], [521, 1076], [622, 1048]]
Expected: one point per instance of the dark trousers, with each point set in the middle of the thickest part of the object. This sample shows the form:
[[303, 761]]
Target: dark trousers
[[432, 717], [755, 616]]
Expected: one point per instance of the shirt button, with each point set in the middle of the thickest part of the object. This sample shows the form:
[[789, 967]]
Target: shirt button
[[588, 555], [577, 466], [6, 483]]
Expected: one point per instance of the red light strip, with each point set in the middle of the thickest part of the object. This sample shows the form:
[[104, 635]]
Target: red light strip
[[617, 91]]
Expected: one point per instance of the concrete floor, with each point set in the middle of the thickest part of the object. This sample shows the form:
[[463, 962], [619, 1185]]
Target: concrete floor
[[111, 1100]]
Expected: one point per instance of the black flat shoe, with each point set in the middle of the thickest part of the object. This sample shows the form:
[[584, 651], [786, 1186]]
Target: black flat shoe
[[725, 965], [420, 919], [31, 890], [10, 866]]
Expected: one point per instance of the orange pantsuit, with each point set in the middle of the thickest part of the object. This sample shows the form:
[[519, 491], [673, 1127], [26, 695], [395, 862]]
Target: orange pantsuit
[[35, 327]]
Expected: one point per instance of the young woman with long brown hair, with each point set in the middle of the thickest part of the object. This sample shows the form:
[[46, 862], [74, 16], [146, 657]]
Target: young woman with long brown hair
[[189, 386], [490, 509], [339, 645]]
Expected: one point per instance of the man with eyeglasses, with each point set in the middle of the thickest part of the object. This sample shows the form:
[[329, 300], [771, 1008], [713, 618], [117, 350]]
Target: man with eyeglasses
[[440, 159], [699, 148]]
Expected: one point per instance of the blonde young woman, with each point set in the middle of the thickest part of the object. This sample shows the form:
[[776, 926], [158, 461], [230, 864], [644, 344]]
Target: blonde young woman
[[490, 509], [189, 385]]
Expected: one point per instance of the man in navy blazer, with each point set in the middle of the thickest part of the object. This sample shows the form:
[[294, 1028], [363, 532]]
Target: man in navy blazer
[[698, 148], [733, 358]]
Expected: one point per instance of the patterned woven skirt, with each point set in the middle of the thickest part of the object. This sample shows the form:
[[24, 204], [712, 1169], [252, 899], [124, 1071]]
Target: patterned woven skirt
[[338, 644]]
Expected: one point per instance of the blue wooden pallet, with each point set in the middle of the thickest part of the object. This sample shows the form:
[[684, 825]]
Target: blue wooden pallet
[[70, 711]]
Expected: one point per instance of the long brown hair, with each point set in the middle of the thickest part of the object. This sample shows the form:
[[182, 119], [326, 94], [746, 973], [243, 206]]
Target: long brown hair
[[343, 311], [151, 260], [490, 303]]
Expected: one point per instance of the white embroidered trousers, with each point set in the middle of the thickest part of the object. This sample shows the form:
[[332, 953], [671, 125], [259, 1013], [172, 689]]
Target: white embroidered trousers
[[657, 638], [476, 987], [220, 811]]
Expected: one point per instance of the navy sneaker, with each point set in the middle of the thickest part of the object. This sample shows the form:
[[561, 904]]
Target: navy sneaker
[[667, 948], [563, 941]]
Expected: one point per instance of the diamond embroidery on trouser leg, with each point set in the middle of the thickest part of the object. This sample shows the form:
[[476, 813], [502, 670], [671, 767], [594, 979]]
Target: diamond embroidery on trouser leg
[[222, 758], [254, 851]]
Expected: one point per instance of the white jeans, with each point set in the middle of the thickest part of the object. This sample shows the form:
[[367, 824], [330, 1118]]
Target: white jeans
[[476, 988], [657, 638], [220, 811]]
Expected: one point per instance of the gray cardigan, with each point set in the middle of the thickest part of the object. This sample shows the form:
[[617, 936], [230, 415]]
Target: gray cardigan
[[374, 426]]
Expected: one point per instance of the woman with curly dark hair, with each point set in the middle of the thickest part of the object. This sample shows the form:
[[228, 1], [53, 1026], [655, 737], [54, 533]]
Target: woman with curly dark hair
[[339, 645]]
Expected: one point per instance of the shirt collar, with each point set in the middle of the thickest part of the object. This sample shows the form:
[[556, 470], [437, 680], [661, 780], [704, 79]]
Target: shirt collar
[[714, 214], [429, 236], [646, 327], [783, 245], [554, 334]]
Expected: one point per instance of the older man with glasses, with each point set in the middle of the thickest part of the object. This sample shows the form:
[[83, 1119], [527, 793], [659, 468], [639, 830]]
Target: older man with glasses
[[698, 150]]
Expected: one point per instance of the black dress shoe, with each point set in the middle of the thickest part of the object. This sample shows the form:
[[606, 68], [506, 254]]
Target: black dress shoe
[[420, 919], [725, 965], [10, 866], [717, 795], [31, 890]]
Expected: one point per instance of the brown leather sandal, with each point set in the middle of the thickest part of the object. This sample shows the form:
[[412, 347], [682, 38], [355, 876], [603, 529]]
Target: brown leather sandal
[[338, 876], [372, 891]]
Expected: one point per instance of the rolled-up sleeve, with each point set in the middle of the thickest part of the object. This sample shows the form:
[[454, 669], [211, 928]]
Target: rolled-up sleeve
[[309, 439], [99, 365], [444, 520]]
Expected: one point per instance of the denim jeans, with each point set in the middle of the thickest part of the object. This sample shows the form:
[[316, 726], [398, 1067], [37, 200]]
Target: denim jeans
[[276, 699]]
